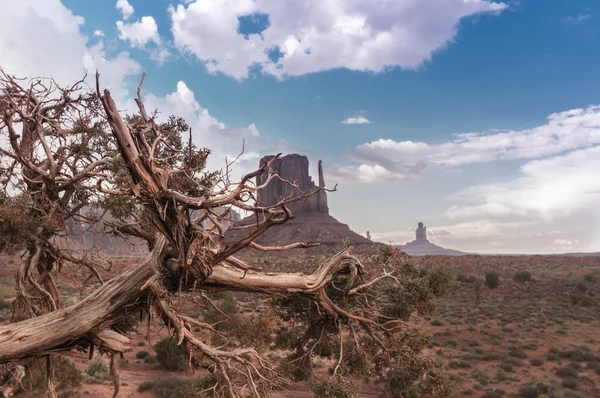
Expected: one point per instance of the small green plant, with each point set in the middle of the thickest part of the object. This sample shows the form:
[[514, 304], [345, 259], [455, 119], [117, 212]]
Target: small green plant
[[145, 386], [98, 370], [150, 359], [334, 388], [142, 354], [522, 277], [4, 305], [492, 280], [66, 375], [536, 361], [180, 387], [170, 355]]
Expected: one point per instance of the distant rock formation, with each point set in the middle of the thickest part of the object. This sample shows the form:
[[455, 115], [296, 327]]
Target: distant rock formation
[[293, 168], [311, 222], [421, 233], [422, 247]]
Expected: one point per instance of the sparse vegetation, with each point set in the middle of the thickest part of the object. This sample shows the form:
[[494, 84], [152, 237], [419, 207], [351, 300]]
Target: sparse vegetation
[[171, 355]]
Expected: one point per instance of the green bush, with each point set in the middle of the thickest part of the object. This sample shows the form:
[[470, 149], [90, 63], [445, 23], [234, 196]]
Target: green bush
[[570, 382], [142, 354], [463, 278], [170, 355], [528, 392], [98, 370], [66, 375], [4, 305], [334, 388], [492, 280], [536, 361], [179, 387], [567, 372], [145, 386], [150, 359], [522, 277]]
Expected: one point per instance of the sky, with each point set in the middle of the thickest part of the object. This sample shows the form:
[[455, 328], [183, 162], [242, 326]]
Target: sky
[[480, 118]]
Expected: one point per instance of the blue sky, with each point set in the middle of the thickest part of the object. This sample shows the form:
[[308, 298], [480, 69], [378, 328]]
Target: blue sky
[[379, 90]]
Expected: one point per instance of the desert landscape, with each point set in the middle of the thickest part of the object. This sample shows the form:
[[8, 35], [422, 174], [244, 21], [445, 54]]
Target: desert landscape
[[297, 199], [531, 337]]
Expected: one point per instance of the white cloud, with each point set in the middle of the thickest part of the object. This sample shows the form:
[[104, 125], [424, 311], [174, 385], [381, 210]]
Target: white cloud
[[139, 33], [356, 120], [564, 131], [98, 33], [125, 8], [565, 242], [208, 131], [547, 189], [53, 45], [313, 36], [579, 18]]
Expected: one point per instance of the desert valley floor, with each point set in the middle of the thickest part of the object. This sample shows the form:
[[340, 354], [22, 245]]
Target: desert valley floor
[[530, 337]]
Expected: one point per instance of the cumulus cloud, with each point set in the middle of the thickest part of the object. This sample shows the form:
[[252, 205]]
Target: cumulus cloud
[[311, 36], [98, 33], [564, 131], [139, 33], [356, 120], [208, 131], [546, 189], [125, 8], [53, 45]]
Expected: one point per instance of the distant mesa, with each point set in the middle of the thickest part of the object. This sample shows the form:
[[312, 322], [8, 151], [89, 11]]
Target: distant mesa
[[293, 169], [422, 247], [312, 222]]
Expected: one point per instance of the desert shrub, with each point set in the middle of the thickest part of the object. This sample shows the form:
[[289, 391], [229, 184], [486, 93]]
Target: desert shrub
[[98, 370], [436, 322], [145, 386], [566, 372], [141, 343], [226, 303], [180, 387], [581, 299], [66, 375], [517, 353], [493, 356], [255, 331], [464, 278], [288, 337], [528, 391], [491, 394], [501, 376], [582, 287], [150, 359], [582, 354], [590, 278], [170, 355], [334, 388], [570, 382], [142, 354], [297, 370], [536, 361], [492, 280], [551, 356], [4, 305], [522, 277], [459, 365]]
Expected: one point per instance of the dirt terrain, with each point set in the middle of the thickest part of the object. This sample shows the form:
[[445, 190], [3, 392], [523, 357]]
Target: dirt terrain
[[527, 337]]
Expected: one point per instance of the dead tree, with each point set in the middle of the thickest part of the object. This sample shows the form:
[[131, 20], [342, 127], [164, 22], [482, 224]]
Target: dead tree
[[177, 210]]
